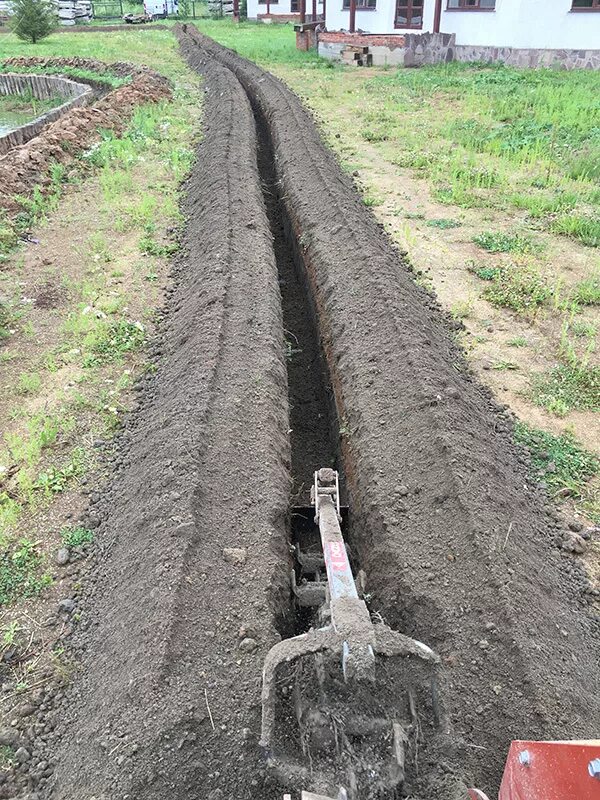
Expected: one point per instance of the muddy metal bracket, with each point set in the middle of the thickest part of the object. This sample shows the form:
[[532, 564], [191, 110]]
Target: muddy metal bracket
[[329, 726]]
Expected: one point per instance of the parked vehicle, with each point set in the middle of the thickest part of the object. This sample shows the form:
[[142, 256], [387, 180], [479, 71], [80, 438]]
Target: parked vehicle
[[160, 9]]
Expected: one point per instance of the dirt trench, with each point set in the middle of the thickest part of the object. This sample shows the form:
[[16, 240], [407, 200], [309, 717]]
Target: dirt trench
[[457, 545]]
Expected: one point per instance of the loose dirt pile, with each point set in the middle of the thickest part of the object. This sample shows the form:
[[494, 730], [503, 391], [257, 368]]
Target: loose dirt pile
[[28, 166], [458, 547]]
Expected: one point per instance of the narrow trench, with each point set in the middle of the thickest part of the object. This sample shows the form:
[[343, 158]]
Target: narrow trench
[[314, 426]]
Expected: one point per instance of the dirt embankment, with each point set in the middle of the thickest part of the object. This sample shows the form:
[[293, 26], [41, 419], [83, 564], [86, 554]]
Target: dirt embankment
[[61, 142], [459, 547], [168, 701]]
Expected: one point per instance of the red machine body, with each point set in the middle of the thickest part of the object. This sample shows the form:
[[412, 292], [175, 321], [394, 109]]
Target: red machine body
[[550, 771]]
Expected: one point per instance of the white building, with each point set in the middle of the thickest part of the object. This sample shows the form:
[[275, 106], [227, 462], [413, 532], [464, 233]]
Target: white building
[[516, 24]]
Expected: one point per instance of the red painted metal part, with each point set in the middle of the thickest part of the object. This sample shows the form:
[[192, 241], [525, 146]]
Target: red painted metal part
[[549, 771]]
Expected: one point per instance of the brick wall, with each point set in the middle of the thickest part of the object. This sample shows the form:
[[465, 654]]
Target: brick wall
[[274, 17], [390, 40]]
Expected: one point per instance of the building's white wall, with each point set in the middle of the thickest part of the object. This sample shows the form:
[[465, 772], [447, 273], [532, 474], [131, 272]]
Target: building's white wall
[[282, 7], [544, 24], [379, 20]]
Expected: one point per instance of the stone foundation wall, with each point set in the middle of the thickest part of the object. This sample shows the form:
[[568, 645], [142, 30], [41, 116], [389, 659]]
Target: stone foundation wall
[[415, 49], [43, 87], [529, 57]]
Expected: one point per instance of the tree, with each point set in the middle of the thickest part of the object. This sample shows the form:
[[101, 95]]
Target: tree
[[31, 20]]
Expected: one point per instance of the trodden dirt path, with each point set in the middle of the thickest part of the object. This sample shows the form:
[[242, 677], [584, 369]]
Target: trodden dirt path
[[458, 547]]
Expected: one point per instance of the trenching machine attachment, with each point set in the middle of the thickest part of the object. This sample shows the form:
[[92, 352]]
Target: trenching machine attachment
[[345, 705]]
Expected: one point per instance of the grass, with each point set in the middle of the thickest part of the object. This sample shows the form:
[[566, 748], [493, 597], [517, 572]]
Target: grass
[[443, 224], [520, 289], [110, 340], [587, 292], [26, 104], [85, 369], [567, 387], [500, 242], [29, 383], [586, 229], [559, 461], [20, 572]]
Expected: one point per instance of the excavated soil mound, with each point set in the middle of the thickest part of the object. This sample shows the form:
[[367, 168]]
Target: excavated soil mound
[[27, 166], [460, 549]]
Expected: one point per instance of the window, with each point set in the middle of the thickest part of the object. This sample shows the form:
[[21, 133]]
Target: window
[[409, 14], [586, 5], [471, 5], [361, 4]]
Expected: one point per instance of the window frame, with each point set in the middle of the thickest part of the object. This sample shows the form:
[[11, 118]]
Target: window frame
[[586, 9], [361, 5], [468, 8], [409, 10]]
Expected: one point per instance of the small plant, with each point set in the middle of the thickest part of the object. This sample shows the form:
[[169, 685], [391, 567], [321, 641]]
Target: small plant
[[584, 229], [502, 366], [587, 292], [111, 339], [32, 20], [500, 242], [559, 460], [20, 572], [7, 318], [56, 479], [518, 288], [566, 387], [7, 756], [151, 247], [29, 383], [462, 308], [517, 341], [76, 537], [487, 273], [371, 200], [443, 224]]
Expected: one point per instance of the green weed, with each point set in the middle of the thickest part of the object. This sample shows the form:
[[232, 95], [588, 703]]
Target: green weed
[[443, 224], [110, 340], [566, 387], [500, 242], [7, 756], [584, 229], [558, 460], [587, 292], [56, 479], [28, 383], [517, 341], [20, 568], [76, 537], [150, 247], [518, 288]]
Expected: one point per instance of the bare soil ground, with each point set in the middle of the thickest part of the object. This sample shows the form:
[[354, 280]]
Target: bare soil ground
[[460, 550]]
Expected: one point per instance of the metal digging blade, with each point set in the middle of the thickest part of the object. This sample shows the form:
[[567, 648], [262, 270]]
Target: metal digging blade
[[345, 705]]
